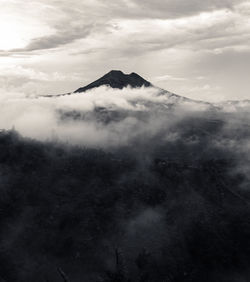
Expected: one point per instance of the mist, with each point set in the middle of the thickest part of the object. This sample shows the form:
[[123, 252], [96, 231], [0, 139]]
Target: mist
[[139, 184], [147, 118], [102, 117]]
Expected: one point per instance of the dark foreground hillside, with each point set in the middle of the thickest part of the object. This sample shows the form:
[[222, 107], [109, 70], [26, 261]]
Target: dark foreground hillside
[[174, 212]]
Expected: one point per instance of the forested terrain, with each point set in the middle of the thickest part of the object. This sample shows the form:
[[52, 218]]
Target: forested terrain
[[156, 211]]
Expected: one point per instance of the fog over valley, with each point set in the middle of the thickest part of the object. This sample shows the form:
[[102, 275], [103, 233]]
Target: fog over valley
[[124, 141], [117, 182]]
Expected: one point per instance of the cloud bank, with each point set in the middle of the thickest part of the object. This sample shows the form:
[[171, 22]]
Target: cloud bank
[[100, 117], [105, 117]]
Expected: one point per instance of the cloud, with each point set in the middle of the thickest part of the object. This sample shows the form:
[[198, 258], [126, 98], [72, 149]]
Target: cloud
[[200, 19], [152, 38], [105, 117], [163, 9], [169, 77], [29, 73], [59, 24], [206, 31], [100, 117], [61, 37]]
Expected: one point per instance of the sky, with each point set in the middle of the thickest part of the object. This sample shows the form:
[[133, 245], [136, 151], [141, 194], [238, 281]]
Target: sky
[[195, 48]]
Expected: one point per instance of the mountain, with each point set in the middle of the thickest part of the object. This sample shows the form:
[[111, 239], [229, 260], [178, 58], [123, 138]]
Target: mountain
[[134, 185], [117, 79], [143, 106]]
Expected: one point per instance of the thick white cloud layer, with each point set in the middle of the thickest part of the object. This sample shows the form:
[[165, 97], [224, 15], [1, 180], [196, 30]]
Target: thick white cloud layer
[[108, 117]]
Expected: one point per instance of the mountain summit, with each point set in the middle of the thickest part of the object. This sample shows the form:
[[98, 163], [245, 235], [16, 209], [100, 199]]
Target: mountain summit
[[117, 79]]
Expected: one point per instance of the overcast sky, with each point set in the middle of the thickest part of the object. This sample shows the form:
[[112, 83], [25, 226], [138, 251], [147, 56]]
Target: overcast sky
[[196, 48]]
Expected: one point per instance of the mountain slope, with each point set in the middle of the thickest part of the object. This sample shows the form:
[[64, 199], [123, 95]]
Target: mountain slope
[[117, 79]]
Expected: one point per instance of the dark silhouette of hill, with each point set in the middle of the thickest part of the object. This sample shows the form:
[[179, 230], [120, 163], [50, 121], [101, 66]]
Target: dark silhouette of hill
[[117, 79], [125, 215]]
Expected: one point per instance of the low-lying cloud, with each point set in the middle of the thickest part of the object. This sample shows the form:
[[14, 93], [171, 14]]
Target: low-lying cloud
[[148, 120], [169, 184], [105, 117], [99, 117]]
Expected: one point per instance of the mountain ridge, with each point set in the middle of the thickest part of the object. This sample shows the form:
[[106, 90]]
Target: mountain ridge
[[117, 79]]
